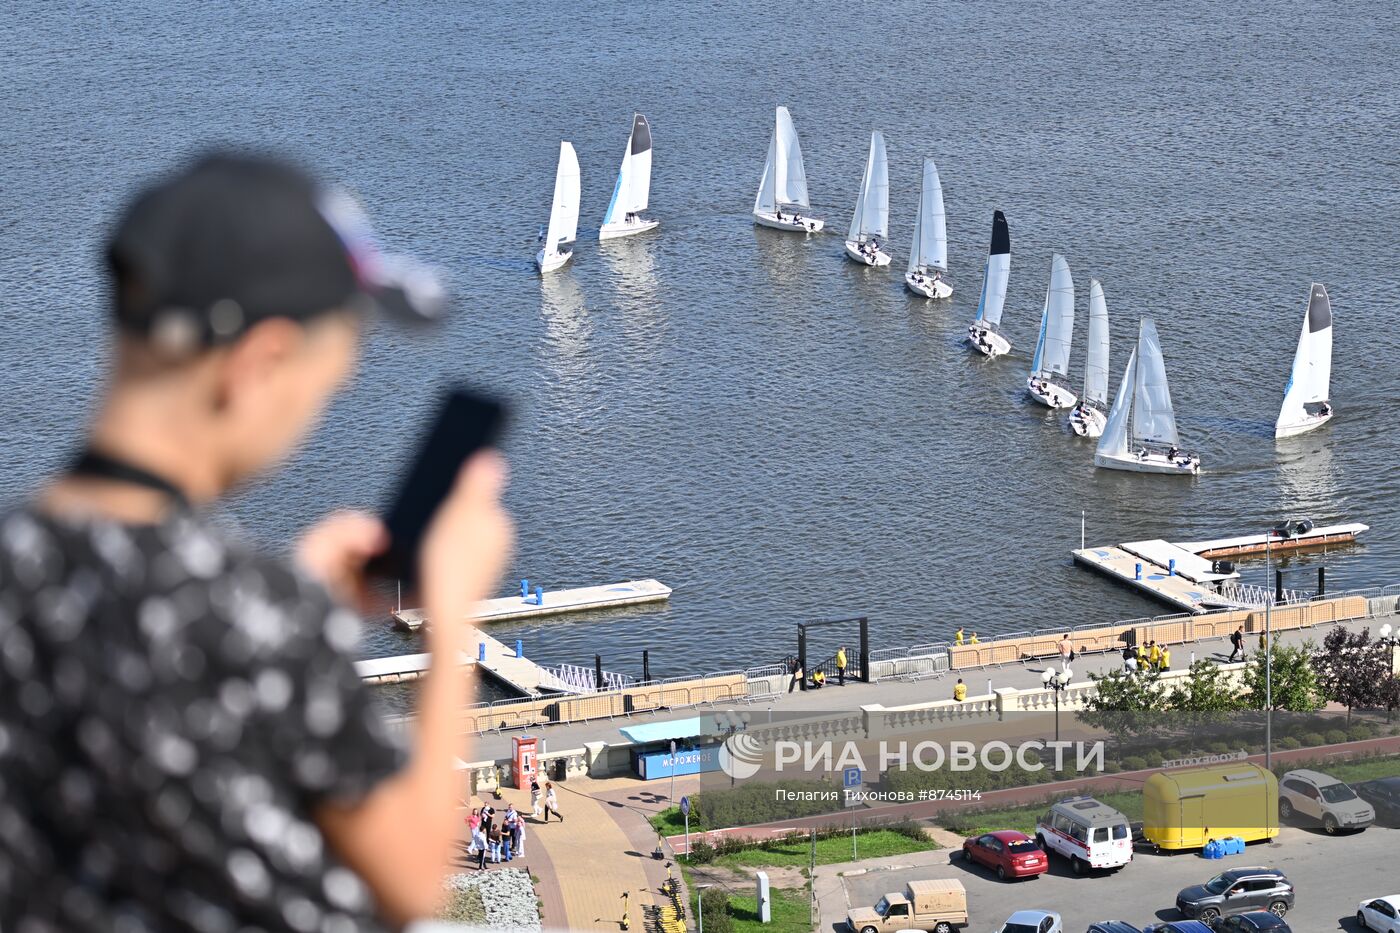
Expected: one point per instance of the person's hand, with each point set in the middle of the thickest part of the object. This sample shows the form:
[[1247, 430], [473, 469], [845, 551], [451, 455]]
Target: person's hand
[[336, 549], [468, 542]]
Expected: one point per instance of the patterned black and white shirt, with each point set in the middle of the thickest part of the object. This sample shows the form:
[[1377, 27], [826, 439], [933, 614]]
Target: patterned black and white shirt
[[172, 708]]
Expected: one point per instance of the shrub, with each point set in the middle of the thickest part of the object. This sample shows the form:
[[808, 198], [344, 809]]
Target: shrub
[[1359, 731], [1218, 748], [1290, 742], [1112, 767], [1153, 758], [1134, 763], [701, 851], [715, 902], [1313, 739], [1335, 736]]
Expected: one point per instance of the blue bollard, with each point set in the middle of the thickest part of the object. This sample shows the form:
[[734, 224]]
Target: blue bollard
[[1138, 571], [481, 651], [524, 589], [519, 648], [539, 596], [1171, 567]]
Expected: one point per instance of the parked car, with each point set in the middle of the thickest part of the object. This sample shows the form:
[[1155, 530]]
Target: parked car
[[938, 906], [1381, 914], [1088, 833], [1383, 794], [1177, 926], [1032, 921], [1009, 853], [1112, 926], [1236, 891], [1256, 921], [1322, 800]]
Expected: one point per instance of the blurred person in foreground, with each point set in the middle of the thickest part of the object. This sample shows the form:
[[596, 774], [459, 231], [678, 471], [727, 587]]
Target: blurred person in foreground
[[184, 743]]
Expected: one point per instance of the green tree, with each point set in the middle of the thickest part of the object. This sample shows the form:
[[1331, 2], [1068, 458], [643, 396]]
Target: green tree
[[1352, 669], [1295, 687], [1207, 688], [1126, 703]]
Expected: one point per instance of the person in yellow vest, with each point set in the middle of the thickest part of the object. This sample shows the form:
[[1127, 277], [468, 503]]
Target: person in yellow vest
[[1154, 654], [1166, 664], [841, 666], [818, 679], [958, 636], [960, 691], [1141, 656], [973, 640]]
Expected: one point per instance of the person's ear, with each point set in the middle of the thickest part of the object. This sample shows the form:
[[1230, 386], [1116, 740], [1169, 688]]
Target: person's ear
[[257, 355]]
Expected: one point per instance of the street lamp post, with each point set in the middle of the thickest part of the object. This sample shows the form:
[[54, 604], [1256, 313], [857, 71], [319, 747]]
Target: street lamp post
[[700, 907], [1268, 654], [1056, 682]]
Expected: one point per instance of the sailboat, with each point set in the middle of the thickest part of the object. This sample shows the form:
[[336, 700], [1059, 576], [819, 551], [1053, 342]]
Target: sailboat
[[563, 216], [784, 182], [1090, 415], [633, 186], [985, 333], [872, 217], [1056, 334], [1140, 436], [1305, 402], [930, 248]]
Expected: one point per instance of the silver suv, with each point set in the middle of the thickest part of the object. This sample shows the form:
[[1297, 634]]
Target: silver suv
[[1236, 891], [1322, 800]]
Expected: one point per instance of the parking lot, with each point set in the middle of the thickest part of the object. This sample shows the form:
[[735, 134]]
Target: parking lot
[[1330, 875]]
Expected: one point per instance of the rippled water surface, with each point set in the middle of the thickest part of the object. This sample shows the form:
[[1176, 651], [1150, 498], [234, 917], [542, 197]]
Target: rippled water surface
[[743, 414]]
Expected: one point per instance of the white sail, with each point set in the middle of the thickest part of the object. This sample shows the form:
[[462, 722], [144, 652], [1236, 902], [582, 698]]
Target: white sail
[[790, 177], [634, 177], [1153, 418], [563, 215], [1096, 360], [1311, 379], [930, 248], [767, 202], [989, 306], [1058, 331], [1114, 440], [872, 216]]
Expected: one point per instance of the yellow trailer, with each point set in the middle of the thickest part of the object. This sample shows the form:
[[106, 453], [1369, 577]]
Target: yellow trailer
[[1186, 808]]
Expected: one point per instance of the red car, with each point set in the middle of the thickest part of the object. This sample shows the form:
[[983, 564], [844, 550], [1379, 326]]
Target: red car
[[1009, 853]]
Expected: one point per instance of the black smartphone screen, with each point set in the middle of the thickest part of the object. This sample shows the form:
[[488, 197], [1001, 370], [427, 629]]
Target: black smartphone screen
[[465, 423]]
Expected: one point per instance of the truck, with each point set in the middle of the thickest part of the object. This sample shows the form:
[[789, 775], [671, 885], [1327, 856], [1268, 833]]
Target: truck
[[937, 906]]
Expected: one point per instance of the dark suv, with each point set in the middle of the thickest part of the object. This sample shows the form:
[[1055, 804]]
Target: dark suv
[[1236, 891]]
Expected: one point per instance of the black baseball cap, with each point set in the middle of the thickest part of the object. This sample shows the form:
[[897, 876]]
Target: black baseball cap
[[232, 239]]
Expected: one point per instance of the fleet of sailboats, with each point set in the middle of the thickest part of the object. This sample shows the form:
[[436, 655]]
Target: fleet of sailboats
[[1141, 435], [1050, 365], [1090, 415], [1137, 434], [928, 255], [871, 220], [1306, 400], [784, 182], [984, 334], [563, 215], [629, 198]]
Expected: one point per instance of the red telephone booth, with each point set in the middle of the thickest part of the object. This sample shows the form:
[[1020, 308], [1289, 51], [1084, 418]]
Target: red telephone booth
[[524, 749]]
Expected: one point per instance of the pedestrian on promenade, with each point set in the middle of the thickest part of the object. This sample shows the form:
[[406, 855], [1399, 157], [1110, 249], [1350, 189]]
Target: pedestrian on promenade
[[1141, 656], [1236, 644], [535, 809], [1154, 654], [818, 679], [474, 820], [519, 840], [1129, 659], [508, 825], [796, 670], [841, 666], [973, 639], [1066, 648], [1263, 641], [494, 838], [958, 636], [152, 657], [481, 845], [1166, 662], [488, 819], [960, 690], [551, 802]]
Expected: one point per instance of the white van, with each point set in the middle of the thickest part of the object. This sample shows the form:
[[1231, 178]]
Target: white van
[[1088, 833]]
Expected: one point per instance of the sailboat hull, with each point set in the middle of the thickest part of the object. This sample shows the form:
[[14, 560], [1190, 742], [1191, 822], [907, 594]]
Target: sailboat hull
[[788, 223], [1049, 394], [1087, 421], [1152, 462], [626, 228], [549, 262], [987, 341], [924, 285], [880, 258], [1310, 423]]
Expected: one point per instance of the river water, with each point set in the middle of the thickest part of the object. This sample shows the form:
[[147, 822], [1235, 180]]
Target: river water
[[776, 433]]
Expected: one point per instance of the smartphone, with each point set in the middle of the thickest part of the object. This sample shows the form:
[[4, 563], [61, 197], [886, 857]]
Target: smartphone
[[465, 423]]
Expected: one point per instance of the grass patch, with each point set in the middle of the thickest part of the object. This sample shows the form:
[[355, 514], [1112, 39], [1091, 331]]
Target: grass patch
[[669, 822], [790, 912], [464, 907], [1360, 769], [796, 853], [976, 822]]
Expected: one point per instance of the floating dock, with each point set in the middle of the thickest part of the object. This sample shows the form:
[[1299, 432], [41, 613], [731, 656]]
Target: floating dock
[[519, 673], [1250, 545], [1185, 575], [555, 602]]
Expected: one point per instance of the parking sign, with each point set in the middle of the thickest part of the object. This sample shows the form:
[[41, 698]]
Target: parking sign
[[851, 777]]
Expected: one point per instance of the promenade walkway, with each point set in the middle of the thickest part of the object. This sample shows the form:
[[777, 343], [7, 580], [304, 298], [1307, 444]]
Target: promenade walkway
[[890, 692]]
